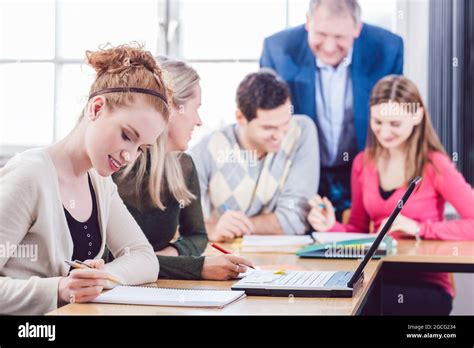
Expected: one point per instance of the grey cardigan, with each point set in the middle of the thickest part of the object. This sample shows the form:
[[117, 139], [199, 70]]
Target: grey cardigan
[[35, 239]]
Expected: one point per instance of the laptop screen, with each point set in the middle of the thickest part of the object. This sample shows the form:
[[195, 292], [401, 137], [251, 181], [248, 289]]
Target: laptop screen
[[384, 231]]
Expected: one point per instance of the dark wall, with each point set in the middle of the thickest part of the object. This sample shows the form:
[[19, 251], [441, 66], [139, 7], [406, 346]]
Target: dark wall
[[450, 79]]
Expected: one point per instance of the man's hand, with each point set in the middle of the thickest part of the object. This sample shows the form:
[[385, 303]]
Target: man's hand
[[231, 225]]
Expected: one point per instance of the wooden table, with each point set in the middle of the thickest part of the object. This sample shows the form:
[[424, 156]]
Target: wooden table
[[443, 256], [434, 255]]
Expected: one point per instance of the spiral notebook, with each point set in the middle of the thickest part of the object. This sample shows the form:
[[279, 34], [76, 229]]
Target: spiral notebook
[[140, 295]]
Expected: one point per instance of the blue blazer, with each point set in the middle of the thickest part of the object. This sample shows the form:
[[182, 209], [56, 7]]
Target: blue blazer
[[376, 53]]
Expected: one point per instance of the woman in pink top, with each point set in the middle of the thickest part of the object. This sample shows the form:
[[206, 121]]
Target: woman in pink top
[[402, 144]]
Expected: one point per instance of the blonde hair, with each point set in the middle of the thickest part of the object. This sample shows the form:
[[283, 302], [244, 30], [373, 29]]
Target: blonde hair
[[423, 139], [182, 78], [131, 66]]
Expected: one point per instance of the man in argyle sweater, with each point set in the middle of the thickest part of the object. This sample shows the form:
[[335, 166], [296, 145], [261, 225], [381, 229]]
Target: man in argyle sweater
[[257, 175]]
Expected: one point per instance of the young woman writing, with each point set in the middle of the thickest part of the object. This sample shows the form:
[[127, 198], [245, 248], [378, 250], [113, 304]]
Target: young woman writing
[[402, 144], [62, 200]]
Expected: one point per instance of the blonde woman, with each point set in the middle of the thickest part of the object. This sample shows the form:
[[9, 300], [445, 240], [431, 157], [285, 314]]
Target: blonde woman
[[402, 144], [62, 200], [181, 210]]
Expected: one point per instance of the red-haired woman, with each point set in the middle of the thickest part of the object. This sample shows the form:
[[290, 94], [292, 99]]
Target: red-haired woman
[[61, 201]]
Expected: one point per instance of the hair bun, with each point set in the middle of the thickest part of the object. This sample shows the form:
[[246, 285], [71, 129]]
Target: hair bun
[[109, 59]]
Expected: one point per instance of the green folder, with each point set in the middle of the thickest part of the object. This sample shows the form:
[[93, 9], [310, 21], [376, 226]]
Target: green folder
[[349, 249]]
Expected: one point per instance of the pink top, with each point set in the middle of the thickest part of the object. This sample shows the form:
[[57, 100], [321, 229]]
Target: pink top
[[425, 205]]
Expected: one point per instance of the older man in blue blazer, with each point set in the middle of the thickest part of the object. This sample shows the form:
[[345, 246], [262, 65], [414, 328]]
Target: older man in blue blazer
[[331, 64]]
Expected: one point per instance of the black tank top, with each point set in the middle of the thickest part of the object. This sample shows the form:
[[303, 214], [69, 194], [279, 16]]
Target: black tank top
[[386, 194], [86, 235]]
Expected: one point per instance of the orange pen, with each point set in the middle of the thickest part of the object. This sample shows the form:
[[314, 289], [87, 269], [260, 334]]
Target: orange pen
[[221, 249]]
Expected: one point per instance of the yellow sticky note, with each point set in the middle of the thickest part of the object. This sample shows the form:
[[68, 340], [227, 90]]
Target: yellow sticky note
[[281, 271], [237, 244]]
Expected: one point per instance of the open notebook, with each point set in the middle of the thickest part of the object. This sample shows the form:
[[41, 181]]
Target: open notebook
[[274, 244], [140, 295]]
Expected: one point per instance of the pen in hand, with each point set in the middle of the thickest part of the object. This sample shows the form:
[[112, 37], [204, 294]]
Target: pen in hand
[[221, 249], [323, 206], [81, 265]]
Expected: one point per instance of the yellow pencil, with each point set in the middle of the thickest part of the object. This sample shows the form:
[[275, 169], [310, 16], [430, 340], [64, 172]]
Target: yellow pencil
[[82, 265]]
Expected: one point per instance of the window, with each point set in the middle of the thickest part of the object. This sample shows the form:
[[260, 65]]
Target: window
[[43, 81], [223, 48], [26, 103], [44, 85], [87, 24], [234, 31]]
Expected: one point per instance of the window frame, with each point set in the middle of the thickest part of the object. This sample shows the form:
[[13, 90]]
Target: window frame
[[168, 15]]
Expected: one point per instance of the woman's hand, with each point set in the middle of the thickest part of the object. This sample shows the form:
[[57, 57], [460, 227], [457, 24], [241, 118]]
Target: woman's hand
[[402, 224], [322, 215], [83, 285], [97, 264], [224, 267]]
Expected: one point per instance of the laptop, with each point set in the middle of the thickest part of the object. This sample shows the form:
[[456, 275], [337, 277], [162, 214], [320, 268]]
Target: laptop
[[318, 283]]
